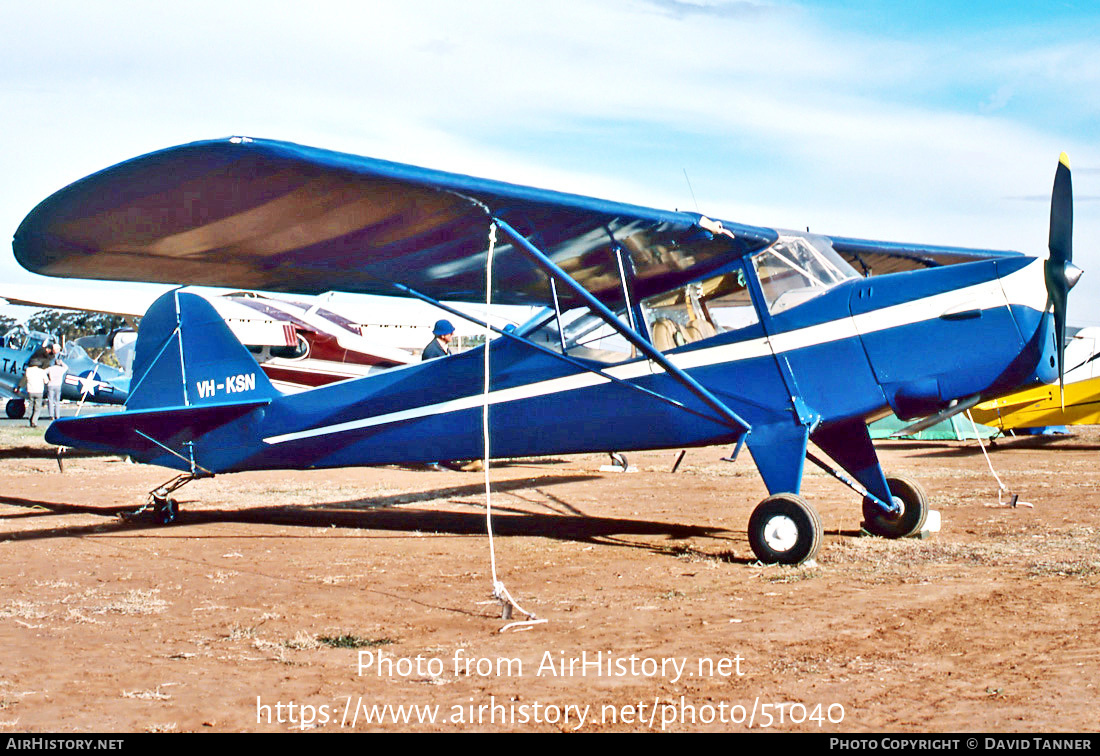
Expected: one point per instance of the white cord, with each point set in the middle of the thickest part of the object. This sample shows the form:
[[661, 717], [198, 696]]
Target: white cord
[[1000, 486], [499, 591]]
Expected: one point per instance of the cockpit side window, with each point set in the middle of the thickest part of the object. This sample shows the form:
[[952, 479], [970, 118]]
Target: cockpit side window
[[700, 310], [15, 338], [674, 318]]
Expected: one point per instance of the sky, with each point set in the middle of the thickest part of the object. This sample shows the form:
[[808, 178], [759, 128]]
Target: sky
[[935, 122]]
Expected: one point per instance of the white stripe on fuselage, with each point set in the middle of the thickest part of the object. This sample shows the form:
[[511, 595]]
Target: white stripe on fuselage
[[1023, 287]]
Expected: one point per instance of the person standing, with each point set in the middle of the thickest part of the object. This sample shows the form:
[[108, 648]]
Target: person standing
[[55, 379], [36, 386], [440, 346]]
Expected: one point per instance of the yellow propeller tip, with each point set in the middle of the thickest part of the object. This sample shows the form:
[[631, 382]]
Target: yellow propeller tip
[[1064, 160]]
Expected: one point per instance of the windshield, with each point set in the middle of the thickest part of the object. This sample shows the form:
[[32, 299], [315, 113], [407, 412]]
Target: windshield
[[18, 337], [798, 268]]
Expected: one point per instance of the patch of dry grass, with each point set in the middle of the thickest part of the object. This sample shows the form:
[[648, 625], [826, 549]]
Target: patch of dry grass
[[147, 695], [303, 641], [1065, 568], [1073, 552], [691, 554], [908, 552], [167, 727], [353, 641], [239, 632], [23, 610], [134, 602], [795, 574]]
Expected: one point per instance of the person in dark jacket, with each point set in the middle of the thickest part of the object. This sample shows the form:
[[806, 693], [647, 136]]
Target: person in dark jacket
[[440, 345]]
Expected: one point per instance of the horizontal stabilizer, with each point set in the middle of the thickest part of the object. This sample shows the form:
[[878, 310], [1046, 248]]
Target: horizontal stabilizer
[[155, 436]]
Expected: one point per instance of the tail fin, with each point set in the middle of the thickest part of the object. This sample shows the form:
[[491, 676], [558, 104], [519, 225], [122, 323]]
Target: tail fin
[[187, 356]]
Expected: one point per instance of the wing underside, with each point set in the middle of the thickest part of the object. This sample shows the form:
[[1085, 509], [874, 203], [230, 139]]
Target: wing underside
[[280, 217]]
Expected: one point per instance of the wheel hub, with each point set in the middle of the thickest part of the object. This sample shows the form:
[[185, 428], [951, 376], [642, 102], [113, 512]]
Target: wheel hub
[[781, 533]]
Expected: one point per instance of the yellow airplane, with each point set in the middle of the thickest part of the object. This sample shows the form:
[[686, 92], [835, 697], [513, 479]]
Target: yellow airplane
[[1042, 405]]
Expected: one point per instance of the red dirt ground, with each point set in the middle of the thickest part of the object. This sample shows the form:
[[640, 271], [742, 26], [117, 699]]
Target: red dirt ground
[[232, 619]]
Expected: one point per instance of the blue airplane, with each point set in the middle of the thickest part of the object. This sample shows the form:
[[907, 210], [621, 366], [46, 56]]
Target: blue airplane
[[656, 330], [86, 379]]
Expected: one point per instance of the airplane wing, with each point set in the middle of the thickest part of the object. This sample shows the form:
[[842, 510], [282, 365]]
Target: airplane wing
[[258, 214], [261, 214], [876, 258], [127, 304], [249, 326]]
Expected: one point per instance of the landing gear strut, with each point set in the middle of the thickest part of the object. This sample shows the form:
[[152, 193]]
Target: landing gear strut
[[785, 529]]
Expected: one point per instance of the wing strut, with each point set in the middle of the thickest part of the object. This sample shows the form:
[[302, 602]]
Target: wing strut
[[728, 416]]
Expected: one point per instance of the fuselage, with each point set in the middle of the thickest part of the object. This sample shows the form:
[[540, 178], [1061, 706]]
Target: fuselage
[[913, 341]]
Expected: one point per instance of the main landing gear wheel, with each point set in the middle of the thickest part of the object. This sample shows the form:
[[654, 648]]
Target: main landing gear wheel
[[785, 529], [15, 408], [914, 510]]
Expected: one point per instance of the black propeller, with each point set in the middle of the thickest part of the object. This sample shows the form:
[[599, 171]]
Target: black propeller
[[1061, 273]]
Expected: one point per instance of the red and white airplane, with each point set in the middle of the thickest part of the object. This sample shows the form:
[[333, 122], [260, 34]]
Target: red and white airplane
[[300, 342]]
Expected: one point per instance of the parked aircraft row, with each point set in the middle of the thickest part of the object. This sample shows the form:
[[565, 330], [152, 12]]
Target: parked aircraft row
[[300, 342]]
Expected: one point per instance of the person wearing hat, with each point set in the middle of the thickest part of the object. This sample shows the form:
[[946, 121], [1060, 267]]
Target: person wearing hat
[[440, 345]]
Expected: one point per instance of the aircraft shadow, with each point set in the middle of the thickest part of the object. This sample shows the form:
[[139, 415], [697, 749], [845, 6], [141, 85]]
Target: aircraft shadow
[[394, 516], [1068, 443], [37, 452]]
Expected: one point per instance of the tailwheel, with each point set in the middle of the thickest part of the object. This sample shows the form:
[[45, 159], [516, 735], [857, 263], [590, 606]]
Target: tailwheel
[[914, 510], [15, 408], [785, 529], [165, 510]]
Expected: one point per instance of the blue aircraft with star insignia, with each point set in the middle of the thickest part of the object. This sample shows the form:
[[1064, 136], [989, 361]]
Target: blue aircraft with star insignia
[[656, 330], [85, 379]]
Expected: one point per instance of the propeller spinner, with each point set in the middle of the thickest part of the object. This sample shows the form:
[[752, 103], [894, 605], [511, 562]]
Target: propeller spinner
[[1061, 273]]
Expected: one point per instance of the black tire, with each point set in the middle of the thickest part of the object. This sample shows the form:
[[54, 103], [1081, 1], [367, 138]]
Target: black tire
[[784, 529], [914, 510], [16, 408], [166, 510]]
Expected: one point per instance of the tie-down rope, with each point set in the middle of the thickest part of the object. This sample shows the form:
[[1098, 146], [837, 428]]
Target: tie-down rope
[[499, 591], [1001, 488]]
